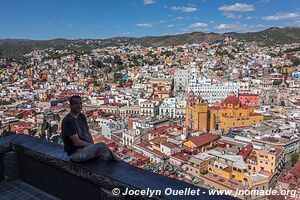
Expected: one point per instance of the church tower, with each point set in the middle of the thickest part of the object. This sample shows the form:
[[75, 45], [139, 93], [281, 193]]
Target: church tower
[[196, 113]]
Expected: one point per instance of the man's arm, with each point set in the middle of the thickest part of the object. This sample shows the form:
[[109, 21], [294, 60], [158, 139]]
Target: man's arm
[[88, 129], [77, 141]]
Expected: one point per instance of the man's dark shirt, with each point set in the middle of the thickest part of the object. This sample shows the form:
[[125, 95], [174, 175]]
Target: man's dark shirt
[[71, 126]]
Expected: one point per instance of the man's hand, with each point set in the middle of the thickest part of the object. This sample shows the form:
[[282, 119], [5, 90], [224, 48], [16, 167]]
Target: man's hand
[[78, 142]]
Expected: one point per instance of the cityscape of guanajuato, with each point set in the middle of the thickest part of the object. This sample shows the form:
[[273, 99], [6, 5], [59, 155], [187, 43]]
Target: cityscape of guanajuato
[[150, 99]]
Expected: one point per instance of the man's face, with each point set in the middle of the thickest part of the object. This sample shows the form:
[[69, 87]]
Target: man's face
[[76, 106]]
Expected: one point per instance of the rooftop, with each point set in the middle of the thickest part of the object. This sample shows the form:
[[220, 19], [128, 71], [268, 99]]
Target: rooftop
[[231, 100], [204, 139]]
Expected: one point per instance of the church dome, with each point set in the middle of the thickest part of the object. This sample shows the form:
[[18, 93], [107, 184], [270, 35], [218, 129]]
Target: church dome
[[231, 100]]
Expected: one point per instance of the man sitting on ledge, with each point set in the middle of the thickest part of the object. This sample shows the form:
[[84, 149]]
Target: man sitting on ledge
[[78, 141]]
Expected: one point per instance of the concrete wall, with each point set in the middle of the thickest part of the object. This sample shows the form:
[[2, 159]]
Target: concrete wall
[[45, 165]]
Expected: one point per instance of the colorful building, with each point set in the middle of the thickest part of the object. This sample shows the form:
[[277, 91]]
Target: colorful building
[[202, 142], [162, 87], [197, 165], [250, 168], [230, 172], [249, 99], [229, 114]]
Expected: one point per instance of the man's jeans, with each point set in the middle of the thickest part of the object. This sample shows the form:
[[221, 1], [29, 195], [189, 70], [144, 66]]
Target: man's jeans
[[99, 150]]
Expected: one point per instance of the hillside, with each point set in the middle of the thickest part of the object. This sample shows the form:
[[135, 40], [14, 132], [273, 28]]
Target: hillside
[[12, 48]]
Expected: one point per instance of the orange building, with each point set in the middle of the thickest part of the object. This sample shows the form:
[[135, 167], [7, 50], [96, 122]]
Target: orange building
[[229, 114]]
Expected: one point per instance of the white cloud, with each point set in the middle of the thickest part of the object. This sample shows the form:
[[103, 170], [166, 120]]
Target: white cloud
[[184, 8], [170, 26], [297, 22], [280, 16], [238, 27], [238, 7], [144, 25], [160, 22], [231, 15], [292, 24], [198, 25], [177, 18], [228, 26], [149, 2], [265, 1], [126, 33], [70, 25]]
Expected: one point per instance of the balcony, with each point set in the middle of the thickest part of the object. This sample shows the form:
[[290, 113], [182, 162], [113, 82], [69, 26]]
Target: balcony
[[32, 167]]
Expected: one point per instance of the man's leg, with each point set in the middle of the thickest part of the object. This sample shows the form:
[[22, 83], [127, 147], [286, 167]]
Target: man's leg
[[92, 151]]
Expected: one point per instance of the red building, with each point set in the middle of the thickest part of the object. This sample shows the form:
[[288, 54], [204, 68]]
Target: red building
[[277, 76], [44, 76], [249, 99]]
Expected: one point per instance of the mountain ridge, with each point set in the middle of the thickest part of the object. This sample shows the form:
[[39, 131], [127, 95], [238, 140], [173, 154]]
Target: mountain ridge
[[16, 48]]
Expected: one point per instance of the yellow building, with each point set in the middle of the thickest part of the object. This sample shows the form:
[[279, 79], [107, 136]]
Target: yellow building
[[251, 169], [197, 165], [162, 87], [230, 172], [229, 114], [202, 142], [270, 159]]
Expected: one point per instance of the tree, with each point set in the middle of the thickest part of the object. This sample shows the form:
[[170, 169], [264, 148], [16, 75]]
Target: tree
[[117, 77], [295, 61], [134, 60], [56, 138], [108, 60], [98, 64], [179, 49], [117, 60], [56, 117], [277, 82], [121, 82], [44, 127], [52, 130], [294, 158]]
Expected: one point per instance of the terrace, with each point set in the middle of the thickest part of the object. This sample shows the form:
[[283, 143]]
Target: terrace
[[32, 168]]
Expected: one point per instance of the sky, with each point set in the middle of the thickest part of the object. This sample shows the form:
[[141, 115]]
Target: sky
[[78, 19]]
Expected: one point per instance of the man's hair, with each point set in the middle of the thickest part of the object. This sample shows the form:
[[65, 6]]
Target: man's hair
[[74, 97]]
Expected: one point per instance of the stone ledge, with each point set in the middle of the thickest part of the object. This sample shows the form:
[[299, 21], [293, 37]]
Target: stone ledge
[[104, 175]]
